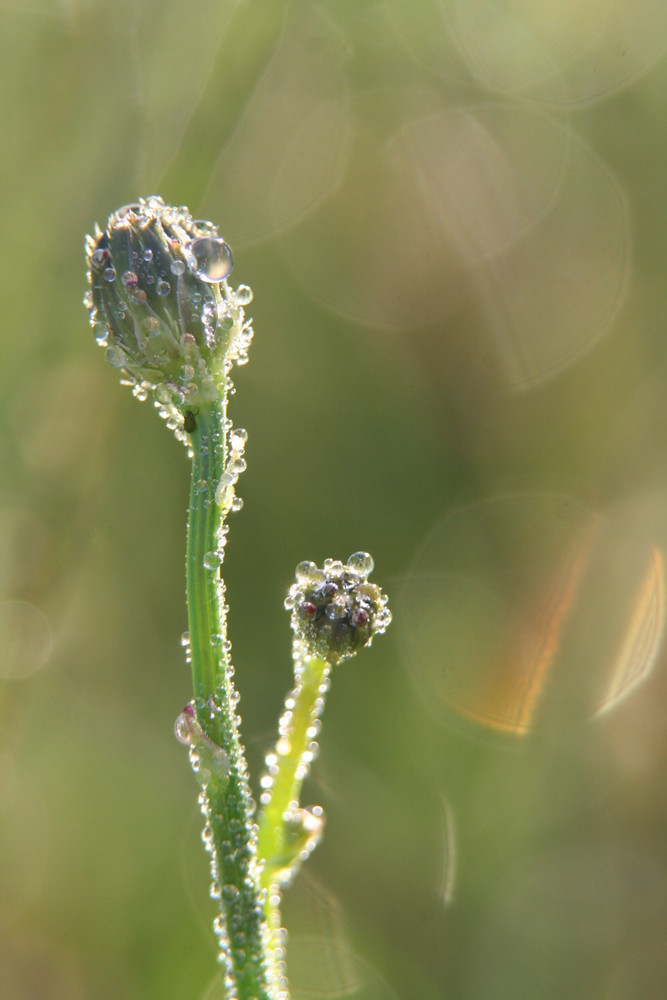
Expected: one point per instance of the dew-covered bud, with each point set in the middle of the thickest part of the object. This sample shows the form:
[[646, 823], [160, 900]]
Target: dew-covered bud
[[161, 306], [335, 609]]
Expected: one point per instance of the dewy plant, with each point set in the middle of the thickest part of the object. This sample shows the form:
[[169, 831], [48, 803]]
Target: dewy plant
[[163, 310]]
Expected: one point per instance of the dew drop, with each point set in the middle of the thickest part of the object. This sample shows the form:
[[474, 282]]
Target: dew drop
[[230, 892], [148, 255], [209, 258], [238, 466], [109, 274], [238, 439], [177, 267], [212, 560], [361, 563], [183, 726], [116, 356], [185, 639], [304, 571], [130, 279], [243, 295], [163, 287]]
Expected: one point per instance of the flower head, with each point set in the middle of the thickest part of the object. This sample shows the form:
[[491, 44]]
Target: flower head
[[336, 610], [161, 306]]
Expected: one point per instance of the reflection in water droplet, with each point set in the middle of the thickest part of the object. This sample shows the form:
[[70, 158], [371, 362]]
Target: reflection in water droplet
[[209, 258]]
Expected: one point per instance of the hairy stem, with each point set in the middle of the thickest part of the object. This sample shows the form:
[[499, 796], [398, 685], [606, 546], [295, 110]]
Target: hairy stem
[[230, 833], [285, 831]]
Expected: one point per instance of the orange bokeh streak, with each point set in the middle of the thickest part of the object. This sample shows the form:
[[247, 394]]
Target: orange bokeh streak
[[509, 703]]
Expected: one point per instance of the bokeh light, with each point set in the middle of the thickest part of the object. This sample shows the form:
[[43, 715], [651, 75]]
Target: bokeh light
[[452, 215]]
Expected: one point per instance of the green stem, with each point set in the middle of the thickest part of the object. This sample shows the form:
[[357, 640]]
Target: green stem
[[281, 841], [230, 833]]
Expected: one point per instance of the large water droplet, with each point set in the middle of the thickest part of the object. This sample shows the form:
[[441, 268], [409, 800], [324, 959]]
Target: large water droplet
[[305, 570], [212, 560], [116, 356], [243, 295], [238, 438], [209, 258], [361, 563]]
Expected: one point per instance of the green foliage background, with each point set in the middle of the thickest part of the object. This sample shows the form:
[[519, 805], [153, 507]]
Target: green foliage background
[[454, 221]]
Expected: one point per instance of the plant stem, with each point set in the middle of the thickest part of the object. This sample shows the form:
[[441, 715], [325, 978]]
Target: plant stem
[[230, 833], [281, 841]]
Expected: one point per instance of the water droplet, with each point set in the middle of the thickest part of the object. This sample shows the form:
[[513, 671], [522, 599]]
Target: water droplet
[[148, 255], [163, 287], [237, 504], [116, 356], [185, 726], [212, 560], [243, 295], [238, 466], [335, 611], [185, 639], [304, 571], [130, 279], [238, 439], [361, 563], [177, 267], [100, 256], [109, 274], [209, 258]]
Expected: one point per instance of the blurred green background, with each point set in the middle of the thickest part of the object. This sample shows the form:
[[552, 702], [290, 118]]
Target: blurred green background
[[453, 217]]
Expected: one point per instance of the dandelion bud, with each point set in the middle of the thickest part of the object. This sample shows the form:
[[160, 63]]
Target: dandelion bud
[[161, 306], [335, 610]]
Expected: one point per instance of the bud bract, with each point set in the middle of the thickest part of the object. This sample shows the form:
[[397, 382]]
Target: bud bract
[[161, 306], [335, 609]]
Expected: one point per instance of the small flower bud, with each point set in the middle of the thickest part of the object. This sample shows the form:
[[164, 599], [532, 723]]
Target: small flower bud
[[161, 306], [335, 610]]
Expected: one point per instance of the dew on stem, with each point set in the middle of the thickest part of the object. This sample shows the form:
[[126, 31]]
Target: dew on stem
[[174, 328]]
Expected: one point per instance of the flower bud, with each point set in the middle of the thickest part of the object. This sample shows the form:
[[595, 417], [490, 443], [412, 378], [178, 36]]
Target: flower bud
[[335, 610], [161, 306]]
